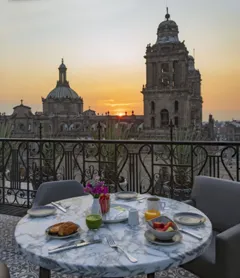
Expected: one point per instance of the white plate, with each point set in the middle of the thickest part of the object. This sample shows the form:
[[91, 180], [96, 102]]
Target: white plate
[[189, 218], [151, 238], [126, 195], [41, 211], [117, 213]]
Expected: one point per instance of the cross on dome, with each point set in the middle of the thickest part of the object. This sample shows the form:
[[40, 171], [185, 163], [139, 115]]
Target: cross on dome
[[167, 16]]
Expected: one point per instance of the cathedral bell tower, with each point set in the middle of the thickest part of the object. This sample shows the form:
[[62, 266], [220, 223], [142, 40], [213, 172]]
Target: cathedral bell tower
[[166, 94]]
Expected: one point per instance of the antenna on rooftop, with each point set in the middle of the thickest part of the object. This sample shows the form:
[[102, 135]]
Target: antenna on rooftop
[[194, 53]]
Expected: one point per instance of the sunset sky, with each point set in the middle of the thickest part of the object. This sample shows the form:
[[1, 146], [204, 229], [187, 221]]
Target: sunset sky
[[103, 43]]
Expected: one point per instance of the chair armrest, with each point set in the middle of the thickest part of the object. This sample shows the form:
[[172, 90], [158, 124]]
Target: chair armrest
[[228, 252], [4, 273], [190, 202]]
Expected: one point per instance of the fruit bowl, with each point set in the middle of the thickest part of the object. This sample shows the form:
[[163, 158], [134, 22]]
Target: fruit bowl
[[162, 227]]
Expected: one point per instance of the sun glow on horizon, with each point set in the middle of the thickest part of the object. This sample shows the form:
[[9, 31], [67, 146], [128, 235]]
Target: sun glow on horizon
[[107, 69]]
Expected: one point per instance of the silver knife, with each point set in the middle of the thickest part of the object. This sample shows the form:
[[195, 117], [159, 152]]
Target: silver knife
[[71, 242], [191, 234], [76, 245], [59, 207]]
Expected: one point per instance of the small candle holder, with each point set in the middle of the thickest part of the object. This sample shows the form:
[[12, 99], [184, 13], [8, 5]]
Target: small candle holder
[[104, 201]]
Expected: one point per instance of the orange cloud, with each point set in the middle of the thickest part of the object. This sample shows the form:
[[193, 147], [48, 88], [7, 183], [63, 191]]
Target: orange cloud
[[118, 104]]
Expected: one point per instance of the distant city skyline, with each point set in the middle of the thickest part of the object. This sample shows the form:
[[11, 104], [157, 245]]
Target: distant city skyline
[[103, 44]]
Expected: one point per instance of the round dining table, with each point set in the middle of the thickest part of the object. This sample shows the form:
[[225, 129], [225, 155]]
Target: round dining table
[[100, 260]]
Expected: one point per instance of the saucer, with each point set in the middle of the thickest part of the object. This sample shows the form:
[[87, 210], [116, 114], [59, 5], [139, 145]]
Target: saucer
[[189, 218], [117, 213], [151, 238], [126, 195], [41, 211]]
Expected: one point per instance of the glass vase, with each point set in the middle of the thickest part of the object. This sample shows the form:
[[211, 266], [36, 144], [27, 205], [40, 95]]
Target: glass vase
[[96, 209]]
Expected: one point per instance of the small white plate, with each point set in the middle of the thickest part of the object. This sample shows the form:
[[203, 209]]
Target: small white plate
[[126, 195], [151, 238], [41, 211], [118, 213], [189, 218]]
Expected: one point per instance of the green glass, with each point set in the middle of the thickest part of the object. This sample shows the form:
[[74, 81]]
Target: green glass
[[93, 221]]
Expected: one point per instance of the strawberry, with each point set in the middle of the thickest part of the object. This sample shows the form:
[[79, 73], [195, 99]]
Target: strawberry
[[158, 225]]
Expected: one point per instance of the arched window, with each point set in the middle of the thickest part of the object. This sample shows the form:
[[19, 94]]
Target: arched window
[[176, 121], [152, 107], [164, 115], [176, 106], [152, 123], [165, 67], [63, 127], [165, 82]]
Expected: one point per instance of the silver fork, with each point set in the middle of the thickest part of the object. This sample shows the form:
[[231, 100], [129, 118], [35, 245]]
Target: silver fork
[[112, 244]]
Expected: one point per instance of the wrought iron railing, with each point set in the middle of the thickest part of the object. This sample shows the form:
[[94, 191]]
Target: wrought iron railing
[[159, 167]]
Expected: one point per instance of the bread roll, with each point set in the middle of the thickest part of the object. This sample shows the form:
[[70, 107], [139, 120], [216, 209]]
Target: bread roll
[[67, 228], [55, 228]]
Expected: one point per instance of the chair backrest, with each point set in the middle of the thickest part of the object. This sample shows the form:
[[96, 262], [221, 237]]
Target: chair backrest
[[4, 272], [57, 190], [219, 199]]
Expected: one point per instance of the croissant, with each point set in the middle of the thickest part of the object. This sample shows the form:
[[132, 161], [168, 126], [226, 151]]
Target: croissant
[[67, 228]]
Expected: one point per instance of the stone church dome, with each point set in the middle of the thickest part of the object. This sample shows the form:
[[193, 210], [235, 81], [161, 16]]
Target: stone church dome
[[168, 24], [62, 92], [167, 31], [63, 89]]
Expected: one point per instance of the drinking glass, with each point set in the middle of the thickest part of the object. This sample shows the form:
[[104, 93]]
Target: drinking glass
[[133, 218], [153, 203], [153, 208]]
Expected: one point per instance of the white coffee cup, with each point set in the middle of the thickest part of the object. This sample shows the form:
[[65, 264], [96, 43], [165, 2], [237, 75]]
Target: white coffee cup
[[133, 218], [162, 205]]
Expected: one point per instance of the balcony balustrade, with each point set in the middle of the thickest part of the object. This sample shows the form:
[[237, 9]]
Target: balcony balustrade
[[165, 168]]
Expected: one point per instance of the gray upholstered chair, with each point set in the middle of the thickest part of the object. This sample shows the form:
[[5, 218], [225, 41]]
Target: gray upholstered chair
[[220, 200], [57, 190], [4, 273]]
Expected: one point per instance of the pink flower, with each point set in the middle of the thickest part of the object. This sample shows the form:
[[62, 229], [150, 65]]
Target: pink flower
[[96, 189]]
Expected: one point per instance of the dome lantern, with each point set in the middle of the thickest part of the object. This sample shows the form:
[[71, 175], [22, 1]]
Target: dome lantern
[[62, 75], [63, 89]]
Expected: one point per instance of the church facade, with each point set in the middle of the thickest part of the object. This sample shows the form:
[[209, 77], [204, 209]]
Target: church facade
[[63, 116], [173, 86], [172, 93]]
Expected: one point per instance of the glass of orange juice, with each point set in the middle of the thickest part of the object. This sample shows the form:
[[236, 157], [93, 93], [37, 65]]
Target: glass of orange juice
[[153, 208]]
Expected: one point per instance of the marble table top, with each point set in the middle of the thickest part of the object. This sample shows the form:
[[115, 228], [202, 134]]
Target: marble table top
[[100, 260]]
